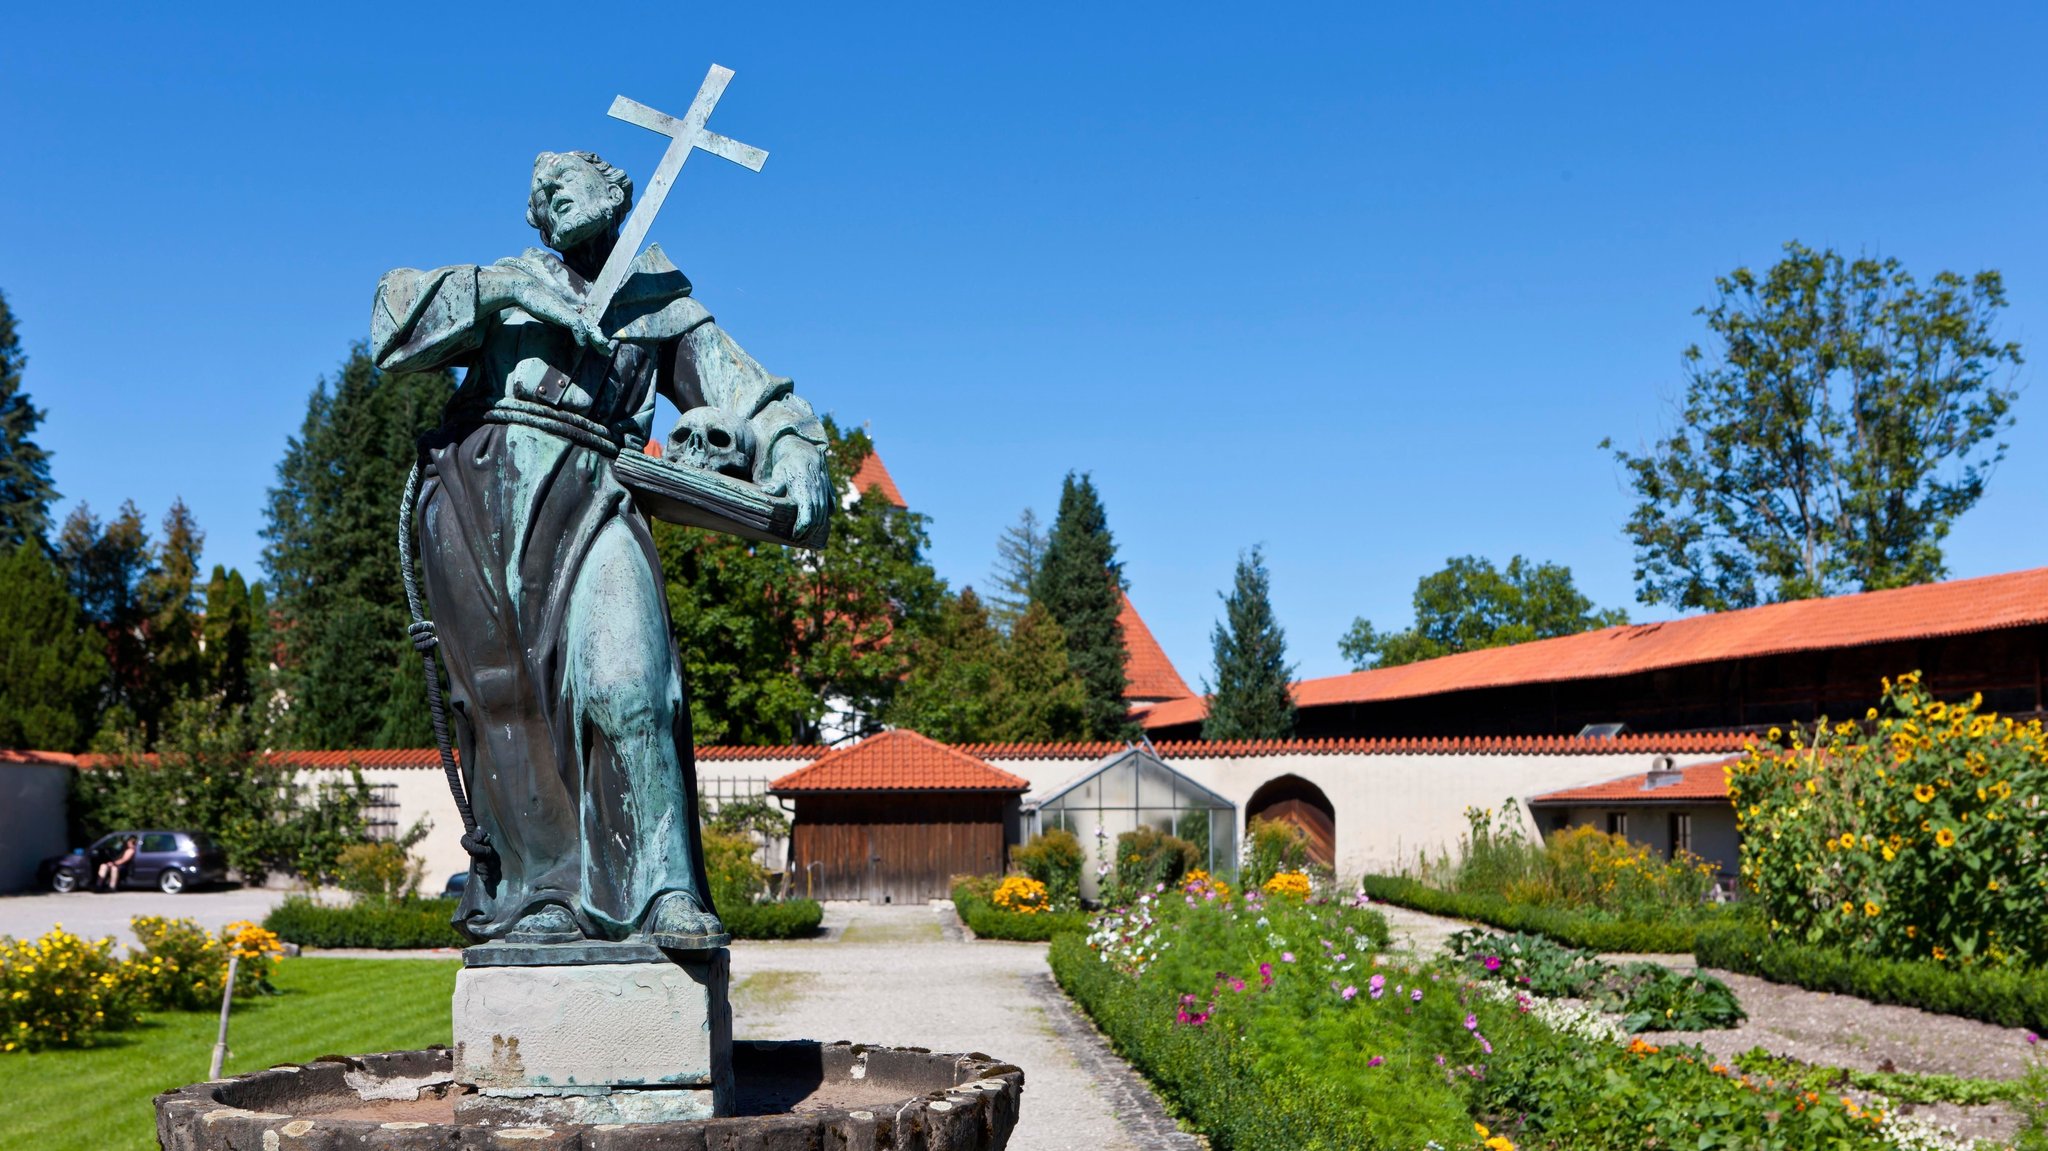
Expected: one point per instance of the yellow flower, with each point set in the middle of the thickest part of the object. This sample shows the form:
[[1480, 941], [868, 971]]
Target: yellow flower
[[1499, 1143], [1481, 1128], [1944, 838], [1924, 793], [1848, 840], [1869, 908], [1940, 953], [1912, 932]]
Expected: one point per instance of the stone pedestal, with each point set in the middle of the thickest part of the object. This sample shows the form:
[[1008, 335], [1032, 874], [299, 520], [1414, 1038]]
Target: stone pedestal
[[618, 1034]]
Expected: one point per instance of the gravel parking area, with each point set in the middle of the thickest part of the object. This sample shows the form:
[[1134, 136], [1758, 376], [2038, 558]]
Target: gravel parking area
[[890, 975], [94, 914]]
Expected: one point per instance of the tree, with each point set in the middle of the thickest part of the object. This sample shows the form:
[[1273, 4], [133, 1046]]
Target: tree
[[1036, 697], [1470, 604], [1829, 440], [107, 566], [170, 602], [232, 627], [1078, 581], [350, 672], [1019, 550], [1250, 698], [732, 607], [26, 490], [949, 693], [52, 661]]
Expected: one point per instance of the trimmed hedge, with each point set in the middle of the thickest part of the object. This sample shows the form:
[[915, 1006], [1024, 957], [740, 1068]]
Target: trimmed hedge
[[2008, 998], [406, 925], [988, 921], [421, 923], [790, 919], [1217, 1085], [1576, 928]]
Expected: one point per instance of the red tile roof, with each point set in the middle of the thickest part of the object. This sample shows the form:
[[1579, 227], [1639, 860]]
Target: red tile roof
[[1988, 603], [1150, 674], [871, 474], [1701, 781], [428, 757], [651, 448], [22, 757], [898, 761], [1698, 743]]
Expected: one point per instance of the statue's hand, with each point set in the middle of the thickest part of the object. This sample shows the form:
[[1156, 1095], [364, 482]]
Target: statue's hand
[[800, 475], [545, 303]]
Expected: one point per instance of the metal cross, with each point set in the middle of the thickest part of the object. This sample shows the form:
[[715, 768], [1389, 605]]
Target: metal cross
[[685, 135]]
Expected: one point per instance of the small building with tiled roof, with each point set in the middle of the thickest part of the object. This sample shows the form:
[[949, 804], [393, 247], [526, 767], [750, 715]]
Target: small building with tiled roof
[[893, 818], [1667, 808], [1780, 663], [1150, 678]]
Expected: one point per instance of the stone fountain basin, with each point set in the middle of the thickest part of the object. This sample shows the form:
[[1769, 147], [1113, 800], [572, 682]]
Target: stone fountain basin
[[792, 1095]]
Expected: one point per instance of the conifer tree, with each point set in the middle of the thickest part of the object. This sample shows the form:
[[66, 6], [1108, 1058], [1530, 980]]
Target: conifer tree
[[1036, 695], [53, 662], [230, 668], [1019, 550], [1078, 582], [349, 670], [107, 567], [1249, 698], [170, 601], [949, 693], [26, 490]]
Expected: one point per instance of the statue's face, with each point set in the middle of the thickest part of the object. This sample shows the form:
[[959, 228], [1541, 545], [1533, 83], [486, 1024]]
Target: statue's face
[[579, 202]]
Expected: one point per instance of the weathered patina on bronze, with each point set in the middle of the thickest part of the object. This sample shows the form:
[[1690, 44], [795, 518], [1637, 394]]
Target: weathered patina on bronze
[[564, 695]]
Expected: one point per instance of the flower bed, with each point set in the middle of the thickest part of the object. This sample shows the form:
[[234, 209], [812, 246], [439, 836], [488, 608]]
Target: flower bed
[[1648, 996], [2005, 996], [1274, 1023], [1593, 930], [63, 991], [989, 921]]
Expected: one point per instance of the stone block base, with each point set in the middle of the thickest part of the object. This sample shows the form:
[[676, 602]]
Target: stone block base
[[636, 1042]]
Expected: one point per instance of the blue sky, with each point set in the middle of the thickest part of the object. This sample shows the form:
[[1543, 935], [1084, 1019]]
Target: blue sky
[[1366, 285]]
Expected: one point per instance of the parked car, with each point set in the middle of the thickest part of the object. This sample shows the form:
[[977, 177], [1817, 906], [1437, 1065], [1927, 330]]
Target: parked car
[[457, 884], [169, 861]]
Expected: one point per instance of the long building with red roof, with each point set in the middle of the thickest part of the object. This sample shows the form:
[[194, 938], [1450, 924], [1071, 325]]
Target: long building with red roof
[[1776, 664]]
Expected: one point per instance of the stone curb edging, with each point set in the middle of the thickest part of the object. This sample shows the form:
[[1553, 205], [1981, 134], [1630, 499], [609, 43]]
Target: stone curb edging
[[1137, 1109]]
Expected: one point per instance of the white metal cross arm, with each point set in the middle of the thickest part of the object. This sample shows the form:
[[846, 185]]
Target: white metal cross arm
[[686, 134]]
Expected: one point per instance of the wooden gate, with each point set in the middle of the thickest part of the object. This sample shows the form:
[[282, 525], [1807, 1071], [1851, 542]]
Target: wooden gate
[[895, 849], [1292, 799]]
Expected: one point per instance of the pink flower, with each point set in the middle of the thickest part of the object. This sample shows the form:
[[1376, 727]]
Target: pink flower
[[2032, 1038], [1378, 984], [1375, 1061], [1266, 974], [1416, 995], [1349, 992], [1484, 1045], [1471, 1023], [1236, 984], [1287, 957], [1493, 963]]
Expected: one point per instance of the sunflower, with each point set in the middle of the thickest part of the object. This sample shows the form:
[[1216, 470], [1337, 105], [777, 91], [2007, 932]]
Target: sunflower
[[1870, 908], [1924, 793], [1944, 838]]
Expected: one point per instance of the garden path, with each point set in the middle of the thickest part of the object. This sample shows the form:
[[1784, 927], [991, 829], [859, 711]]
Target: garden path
[[1814, 1027], [903, 975]]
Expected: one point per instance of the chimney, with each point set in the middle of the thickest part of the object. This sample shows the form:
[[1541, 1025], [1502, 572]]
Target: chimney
[[1663, 773]]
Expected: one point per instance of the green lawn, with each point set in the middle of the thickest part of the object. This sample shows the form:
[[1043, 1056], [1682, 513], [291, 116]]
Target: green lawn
[[99, 1098]]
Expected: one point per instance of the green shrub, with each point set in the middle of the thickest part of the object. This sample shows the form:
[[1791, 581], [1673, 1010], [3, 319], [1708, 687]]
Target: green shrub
[[61, 991], [1648, 996], [383, 870], [1272, 846], [2004, 996], [398, 925], [1594, 930], [788, 919], [988, 921], [1148, 857], [1054, 858]]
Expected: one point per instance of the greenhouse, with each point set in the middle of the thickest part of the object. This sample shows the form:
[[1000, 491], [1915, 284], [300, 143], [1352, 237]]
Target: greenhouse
[[1133, 789]]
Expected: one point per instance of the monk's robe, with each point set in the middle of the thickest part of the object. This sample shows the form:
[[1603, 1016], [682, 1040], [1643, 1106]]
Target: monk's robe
[[565, 697]]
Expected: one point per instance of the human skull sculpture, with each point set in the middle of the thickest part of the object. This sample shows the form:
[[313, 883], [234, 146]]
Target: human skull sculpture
[[715, 440]]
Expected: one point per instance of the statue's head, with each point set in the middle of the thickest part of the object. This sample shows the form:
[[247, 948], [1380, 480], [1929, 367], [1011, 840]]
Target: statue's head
[[576, 197]]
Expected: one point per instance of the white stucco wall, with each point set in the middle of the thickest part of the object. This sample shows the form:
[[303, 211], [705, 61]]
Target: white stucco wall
[[1389, 807]]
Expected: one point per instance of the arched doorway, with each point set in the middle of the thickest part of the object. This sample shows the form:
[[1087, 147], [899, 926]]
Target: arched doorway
[[1297, 801]]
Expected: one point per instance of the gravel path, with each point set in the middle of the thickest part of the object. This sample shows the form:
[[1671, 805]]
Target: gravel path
[[891, 975]]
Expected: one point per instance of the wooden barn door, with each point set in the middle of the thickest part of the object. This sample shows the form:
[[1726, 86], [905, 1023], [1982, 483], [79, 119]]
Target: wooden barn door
[[1292, 799], [895, 849]]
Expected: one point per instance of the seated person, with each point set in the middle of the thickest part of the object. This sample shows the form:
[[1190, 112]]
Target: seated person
[[110, 871]]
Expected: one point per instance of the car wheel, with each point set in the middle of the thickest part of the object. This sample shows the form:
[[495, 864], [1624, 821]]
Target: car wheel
[[64, 882], [171, 882]]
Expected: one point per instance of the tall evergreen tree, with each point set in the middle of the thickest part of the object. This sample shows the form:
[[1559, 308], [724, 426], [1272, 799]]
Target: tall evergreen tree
[[107, 567], [1019, 550], [229, 667], [26, 490], [949, 692], [1035, 696], [351, 675], [1078, 581], [1249, 698], [52, 660], [170, 595]]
